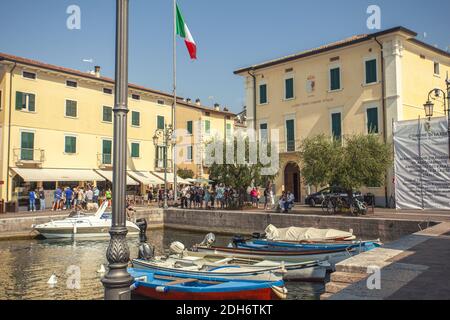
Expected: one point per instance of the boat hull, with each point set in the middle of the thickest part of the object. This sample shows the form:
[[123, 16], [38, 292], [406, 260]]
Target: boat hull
[[82, 232]]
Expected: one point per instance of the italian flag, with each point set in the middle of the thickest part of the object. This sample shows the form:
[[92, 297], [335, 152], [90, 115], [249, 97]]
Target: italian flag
[[183, 32]]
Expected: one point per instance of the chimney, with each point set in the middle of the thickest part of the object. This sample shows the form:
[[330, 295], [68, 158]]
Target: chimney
[[198, 102], [188, 100], [216, 106], [226, 109], [97, 71]]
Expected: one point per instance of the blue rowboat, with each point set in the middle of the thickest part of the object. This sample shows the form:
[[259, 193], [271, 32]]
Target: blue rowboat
[[263, 244], [174, 286]]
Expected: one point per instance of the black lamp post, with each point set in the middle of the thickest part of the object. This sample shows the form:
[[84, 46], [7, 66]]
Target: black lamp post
[[429, 106], [117, 281], [166, 135]]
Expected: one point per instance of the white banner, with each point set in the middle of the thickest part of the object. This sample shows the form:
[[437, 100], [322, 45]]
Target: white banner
[[422, 166]]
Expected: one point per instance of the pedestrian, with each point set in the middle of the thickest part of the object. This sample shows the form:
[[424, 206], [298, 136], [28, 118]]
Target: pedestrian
[[253, 196], [149, 196], [69, 195], [32, 200], [42, 198], [56, 199], [258, 197], [207, 198], [266, 198], [96, 194], [108, 195], [89, 195]]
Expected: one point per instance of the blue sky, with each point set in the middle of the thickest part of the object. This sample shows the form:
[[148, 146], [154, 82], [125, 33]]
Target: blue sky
[[229, 34]]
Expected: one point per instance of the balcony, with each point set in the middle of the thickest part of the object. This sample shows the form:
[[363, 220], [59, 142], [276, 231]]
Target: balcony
[[289, 146], [104, 160], [28, 157], [159, 165]]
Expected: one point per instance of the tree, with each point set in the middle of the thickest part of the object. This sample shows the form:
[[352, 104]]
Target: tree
[[359, 160], [185, 173]]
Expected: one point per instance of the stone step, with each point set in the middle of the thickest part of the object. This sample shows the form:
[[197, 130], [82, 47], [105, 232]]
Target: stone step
[[347, 277], [325, 296], [335, 287]]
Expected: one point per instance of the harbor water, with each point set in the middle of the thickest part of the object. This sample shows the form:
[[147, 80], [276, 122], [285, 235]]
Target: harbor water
[[27, 265]]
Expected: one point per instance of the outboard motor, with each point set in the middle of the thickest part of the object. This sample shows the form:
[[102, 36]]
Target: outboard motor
[[237, 239], [210, 238], [176, 248], [146, 252], [142, 224], [257, 235]]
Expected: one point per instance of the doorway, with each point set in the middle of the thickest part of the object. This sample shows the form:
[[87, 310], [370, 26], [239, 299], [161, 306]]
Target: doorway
[[292, 180]]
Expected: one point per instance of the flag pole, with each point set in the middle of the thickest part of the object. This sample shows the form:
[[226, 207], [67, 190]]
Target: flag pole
[[174, 167]]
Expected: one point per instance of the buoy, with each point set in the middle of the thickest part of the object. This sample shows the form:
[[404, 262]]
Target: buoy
[[53, 280], [102, 269]]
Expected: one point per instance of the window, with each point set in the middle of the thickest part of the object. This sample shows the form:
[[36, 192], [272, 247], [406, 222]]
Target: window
[[70, 145], [436, 68], [372, 120], [263, 131], [27, 146], [135, 119], [371, 71], [160, 156], [29, 75], [72, 84], [107, 90], [135, 150], [71, 108], [336, 126], [290, 135], [262, 93], [106, 152], [135, 97], [189, 127], [189, 153], [161, 122], [228, 130], [161, 102], [289, 88], [107, 114], [207, 126], [335, 79], [25, 101]]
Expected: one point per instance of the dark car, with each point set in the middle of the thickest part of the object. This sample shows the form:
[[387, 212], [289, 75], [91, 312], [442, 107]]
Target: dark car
[[316, 198]]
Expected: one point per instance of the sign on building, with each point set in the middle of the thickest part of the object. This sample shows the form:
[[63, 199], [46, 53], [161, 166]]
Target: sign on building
[[422, 166]]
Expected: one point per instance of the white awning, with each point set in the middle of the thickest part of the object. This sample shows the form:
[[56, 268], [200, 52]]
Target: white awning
[[145, 177], [109, 176], [170, 178], [42, 175]]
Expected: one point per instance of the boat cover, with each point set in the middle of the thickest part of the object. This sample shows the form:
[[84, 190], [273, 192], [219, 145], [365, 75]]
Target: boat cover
[[298, 234]]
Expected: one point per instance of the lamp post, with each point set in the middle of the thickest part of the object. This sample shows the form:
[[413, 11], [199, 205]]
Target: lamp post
[[429, 105], [117, 281], [166, 135]]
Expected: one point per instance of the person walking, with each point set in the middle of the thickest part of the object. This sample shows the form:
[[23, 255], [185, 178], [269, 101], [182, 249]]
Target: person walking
[[96, 195], [32, 200], [253, 196], [69, 194], [42, 199], [108, 195], [266, 198], [56, 199]]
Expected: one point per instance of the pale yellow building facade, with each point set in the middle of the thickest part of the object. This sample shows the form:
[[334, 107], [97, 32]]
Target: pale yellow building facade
[[358, 85], [53, 118]]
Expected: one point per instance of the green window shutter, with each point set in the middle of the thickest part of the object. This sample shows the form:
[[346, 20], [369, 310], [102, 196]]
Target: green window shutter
[[135, 118], [107, 152], [27, 146], [161, 122], [31, 102], [263, 94], [335, 79], [372, 120], [290, 135], [70, 145], [336, 127], [289, 83], [71, 108], [371, 71], [107, 114], [207, 126], [20, 100], [189, 153], [135, 150], [189, 127]]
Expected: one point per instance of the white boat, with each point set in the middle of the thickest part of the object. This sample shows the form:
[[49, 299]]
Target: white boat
[[307, 234], [83, 226]]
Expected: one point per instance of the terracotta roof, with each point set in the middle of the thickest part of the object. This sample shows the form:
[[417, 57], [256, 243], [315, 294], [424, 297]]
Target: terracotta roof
[[328, 47], [73, 72]]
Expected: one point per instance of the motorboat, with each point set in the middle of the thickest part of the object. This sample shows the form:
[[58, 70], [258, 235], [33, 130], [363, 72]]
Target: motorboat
[[79, 225], [307, 234], [164, 285]]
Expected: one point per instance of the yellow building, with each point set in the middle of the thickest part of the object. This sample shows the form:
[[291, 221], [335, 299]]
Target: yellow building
[[358, 85], [56, 127]]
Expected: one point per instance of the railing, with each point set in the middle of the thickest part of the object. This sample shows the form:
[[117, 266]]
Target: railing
[[104, 160], [289, 146], [25, 155], [159, 165]]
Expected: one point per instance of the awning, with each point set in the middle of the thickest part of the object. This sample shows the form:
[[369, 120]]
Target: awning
[[145, 177], [170, 178], [109, 176], [42, 175]]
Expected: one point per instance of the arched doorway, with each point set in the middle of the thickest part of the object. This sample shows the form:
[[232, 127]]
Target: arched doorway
[[292, 180]]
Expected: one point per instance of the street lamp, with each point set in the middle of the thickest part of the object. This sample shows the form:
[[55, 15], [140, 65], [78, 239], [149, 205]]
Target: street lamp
[[117, 281], [428, 106], [166, 135]]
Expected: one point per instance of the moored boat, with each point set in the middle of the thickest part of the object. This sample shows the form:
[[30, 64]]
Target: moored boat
[[162, 285], [282, 245]]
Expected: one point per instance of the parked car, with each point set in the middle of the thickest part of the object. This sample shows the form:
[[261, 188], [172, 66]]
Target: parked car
[[316, 198]]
